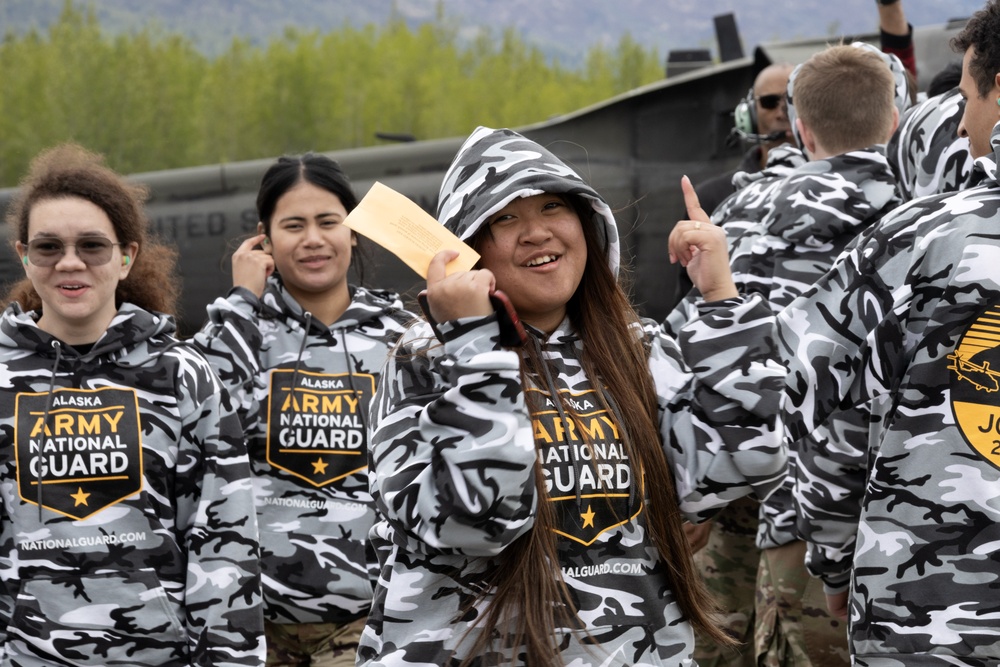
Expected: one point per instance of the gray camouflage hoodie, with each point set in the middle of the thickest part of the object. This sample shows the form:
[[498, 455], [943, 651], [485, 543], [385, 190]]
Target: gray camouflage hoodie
[[455, 444], [910, 314], [308, 453], [140, 551]]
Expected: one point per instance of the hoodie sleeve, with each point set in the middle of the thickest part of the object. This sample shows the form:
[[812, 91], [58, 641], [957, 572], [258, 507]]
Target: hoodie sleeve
[[231, 341], [217, 525], [719, 387], [453, 453]]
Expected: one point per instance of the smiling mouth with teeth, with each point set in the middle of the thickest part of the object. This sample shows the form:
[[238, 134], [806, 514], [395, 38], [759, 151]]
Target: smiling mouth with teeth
[[538, 261]]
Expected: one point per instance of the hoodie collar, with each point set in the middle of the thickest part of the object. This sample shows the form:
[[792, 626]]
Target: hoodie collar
[[129, 327], [366, 305], [824, 199], [986, 166], [494, 167]]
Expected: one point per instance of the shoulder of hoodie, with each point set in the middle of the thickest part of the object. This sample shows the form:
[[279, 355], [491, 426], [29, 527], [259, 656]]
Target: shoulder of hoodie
[[924, 215]]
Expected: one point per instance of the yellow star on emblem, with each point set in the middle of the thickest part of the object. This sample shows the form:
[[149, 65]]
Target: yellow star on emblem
[[319, 467], [588, 517], [80, 497]]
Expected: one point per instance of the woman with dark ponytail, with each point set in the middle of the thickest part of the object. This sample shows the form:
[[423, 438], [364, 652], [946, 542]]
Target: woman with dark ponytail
[[533, 495]]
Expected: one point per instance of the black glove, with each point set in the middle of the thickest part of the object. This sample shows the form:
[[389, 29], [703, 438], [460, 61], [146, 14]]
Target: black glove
[[886, 2]]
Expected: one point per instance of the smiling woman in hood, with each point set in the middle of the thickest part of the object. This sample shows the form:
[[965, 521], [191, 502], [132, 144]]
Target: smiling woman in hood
[[533, 495]]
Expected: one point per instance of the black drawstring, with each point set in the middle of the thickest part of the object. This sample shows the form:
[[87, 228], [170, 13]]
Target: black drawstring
[[357, 394], [298, 358], [45, 423], [626, 440], [557, 401]]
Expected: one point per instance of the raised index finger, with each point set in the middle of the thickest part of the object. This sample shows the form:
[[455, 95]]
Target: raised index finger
[[694, 209]]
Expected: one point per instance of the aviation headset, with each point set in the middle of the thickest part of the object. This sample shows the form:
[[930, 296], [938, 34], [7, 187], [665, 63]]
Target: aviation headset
[[745, 115]]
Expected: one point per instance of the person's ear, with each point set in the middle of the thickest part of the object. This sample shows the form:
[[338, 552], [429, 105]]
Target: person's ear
[[129, 253], [808, 138], [22, 252], [266, 243]]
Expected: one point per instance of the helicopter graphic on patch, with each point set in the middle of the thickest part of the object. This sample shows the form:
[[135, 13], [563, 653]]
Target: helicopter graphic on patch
[[975, 384]]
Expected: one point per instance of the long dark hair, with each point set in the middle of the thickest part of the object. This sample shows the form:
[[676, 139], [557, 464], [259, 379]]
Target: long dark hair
[[69, 170], [321, 171], [529, 596]]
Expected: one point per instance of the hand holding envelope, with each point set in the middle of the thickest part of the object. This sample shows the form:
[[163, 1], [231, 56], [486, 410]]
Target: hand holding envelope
[[400, 226], [403, 228]]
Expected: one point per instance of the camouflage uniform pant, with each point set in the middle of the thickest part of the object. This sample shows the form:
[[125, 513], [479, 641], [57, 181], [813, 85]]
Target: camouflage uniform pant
[[314, 644], [794, 626], [729, 564]]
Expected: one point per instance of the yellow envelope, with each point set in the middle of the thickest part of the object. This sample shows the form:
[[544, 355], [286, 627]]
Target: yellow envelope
[[400, 226]]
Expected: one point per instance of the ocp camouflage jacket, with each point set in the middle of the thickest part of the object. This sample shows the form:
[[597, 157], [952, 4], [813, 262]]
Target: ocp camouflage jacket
[[912, 313], [131, 543], [308, 452], [456, 438]]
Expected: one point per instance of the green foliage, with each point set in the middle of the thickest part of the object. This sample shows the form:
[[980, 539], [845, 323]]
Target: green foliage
[[149, 100]]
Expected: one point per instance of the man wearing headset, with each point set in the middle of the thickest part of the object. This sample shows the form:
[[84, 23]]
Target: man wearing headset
[[761, 120]]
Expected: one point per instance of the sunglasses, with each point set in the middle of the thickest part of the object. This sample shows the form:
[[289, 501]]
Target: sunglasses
[[91, 250], [770, 101]]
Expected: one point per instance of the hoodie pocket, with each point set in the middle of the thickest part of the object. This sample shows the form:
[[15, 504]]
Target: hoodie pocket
[[120, 618]]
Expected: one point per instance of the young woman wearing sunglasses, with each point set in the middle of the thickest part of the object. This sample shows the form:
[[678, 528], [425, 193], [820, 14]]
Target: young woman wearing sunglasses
[[124, 536]]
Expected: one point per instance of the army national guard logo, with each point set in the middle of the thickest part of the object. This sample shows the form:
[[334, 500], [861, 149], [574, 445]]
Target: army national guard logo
[[86, 453], [316, 431], [975, 385], [595, 461]]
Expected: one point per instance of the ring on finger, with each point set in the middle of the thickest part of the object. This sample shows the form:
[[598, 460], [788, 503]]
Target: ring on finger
[[697, 225]]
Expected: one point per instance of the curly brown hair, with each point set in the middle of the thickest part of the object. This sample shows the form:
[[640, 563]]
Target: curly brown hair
[[69, 170]]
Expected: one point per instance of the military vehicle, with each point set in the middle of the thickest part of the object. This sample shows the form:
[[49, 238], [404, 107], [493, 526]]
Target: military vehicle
[[633, 148]]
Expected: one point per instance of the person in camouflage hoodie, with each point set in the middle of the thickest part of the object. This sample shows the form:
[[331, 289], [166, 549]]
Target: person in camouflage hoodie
[[845, 110], [124, 535], [302, 350], [909, 315], [532, 495], [926, 152]]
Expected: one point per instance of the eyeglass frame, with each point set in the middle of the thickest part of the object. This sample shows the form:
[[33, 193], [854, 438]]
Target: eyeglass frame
[[105, 243]]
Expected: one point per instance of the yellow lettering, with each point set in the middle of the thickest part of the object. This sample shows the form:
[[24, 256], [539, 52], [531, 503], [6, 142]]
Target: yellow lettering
[[541, 434], [614, 427], [38, 429], [310, 403], [331, 404], [113, 420], [64, 424], [90, 425], [594, 431]]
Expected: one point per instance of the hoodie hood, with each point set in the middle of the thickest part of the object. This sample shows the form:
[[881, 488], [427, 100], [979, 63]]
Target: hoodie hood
[[495, 167]]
